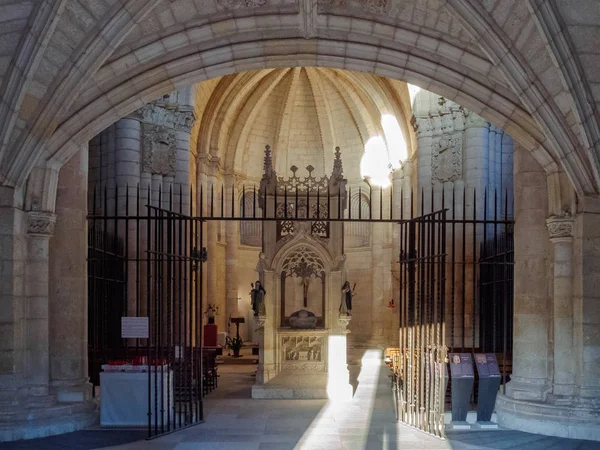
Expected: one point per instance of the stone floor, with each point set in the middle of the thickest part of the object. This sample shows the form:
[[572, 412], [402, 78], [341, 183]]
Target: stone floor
[[235, 421]]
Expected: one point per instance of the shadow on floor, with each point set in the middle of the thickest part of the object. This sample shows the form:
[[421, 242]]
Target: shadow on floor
[[78, 440]]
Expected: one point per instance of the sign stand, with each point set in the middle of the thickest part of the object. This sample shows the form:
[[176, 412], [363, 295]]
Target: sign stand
[[489, 382], [463, 377]]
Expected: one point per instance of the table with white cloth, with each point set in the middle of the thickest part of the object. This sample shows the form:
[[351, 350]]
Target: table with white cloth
[[222, 338], [124, 397]]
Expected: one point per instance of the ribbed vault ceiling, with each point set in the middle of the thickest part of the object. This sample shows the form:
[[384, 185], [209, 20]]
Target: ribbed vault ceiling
[[302, 113]]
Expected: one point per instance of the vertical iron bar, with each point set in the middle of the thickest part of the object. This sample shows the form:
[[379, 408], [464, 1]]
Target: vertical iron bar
[[494, 306], [474, 259], [483, 267], [148, 306], [370, 202], [318, 202], [464, 264], [181, 292], [212, 196], [169, 303], [137, 263], [126, 266], [328, 201], [185, 351], [505, 300], [244, 200], [350, 203], [201, 308], [233, 199], [189, 383]]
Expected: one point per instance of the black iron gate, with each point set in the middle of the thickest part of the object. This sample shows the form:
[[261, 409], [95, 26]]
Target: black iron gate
[[150, 266], [456, 294], [145, 262], [423, 349]]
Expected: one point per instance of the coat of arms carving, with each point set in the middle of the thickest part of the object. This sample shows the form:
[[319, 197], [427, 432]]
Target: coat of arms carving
[[158, 150], [446, 158]]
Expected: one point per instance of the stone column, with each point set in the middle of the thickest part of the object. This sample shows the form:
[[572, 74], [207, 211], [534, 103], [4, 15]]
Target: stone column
[[13, 251], [491, 172], [530, 379], [476, 161], [182, 161], [378, 265], [36, 313], [507, 174], [210, 175], [231, 258], [68, 284], [424, 179], [561, 236], [266, 337]]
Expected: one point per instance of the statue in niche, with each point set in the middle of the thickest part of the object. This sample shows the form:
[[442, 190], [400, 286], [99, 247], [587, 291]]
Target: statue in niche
[[257, 295], [347, 294]]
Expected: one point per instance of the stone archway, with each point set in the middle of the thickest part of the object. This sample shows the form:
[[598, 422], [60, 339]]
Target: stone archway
[[122, 57]]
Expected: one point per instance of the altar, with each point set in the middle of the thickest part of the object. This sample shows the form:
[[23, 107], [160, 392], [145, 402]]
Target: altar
[[302, 267]]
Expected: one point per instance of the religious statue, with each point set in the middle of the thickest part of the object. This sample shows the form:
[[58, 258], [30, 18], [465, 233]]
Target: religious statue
[[347, 294], [257, 295]]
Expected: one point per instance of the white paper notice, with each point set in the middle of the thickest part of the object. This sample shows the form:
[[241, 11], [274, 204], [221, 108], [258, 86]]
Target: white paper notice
[[134, 327]]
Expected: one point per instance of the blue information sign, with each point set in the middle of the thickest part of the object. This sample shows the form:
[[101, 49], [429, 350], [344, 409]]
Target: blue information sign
[[487, 365], [461, 365]]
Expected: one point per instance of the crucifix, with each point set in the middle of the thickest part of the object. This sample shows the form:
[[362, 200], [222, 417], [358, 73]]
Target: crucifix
[[304, 271], [305, 283]]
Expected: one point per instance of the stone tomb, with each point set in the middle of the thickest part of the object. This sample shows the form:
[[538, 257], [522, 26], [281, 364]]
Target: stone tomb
[[302, 339]]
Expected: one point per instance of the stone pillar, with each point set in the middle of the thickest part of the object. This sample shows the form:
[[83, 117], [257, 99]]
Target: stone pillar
[[491, 172], [13, 251], [507, 174], [231, 261], [476, 152], [530, 379], [36, 314], [378, 265], [561, 236], [68, 285], [424, 179], [587, 312], [212, 294], [266, 340], [182, 168], [499, 186], [128, 136]]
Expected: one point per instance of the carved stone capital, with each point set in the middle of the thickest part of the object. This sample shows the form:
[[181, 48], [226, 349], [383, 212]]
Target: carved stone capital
[[183, 121], [41, 223], [560, 228]]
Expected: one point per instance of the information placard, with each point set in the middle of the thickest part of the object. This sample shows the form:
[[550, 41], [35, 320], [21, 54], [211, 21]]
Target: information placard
[[461, 365], [487, 365], [134, 327]]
